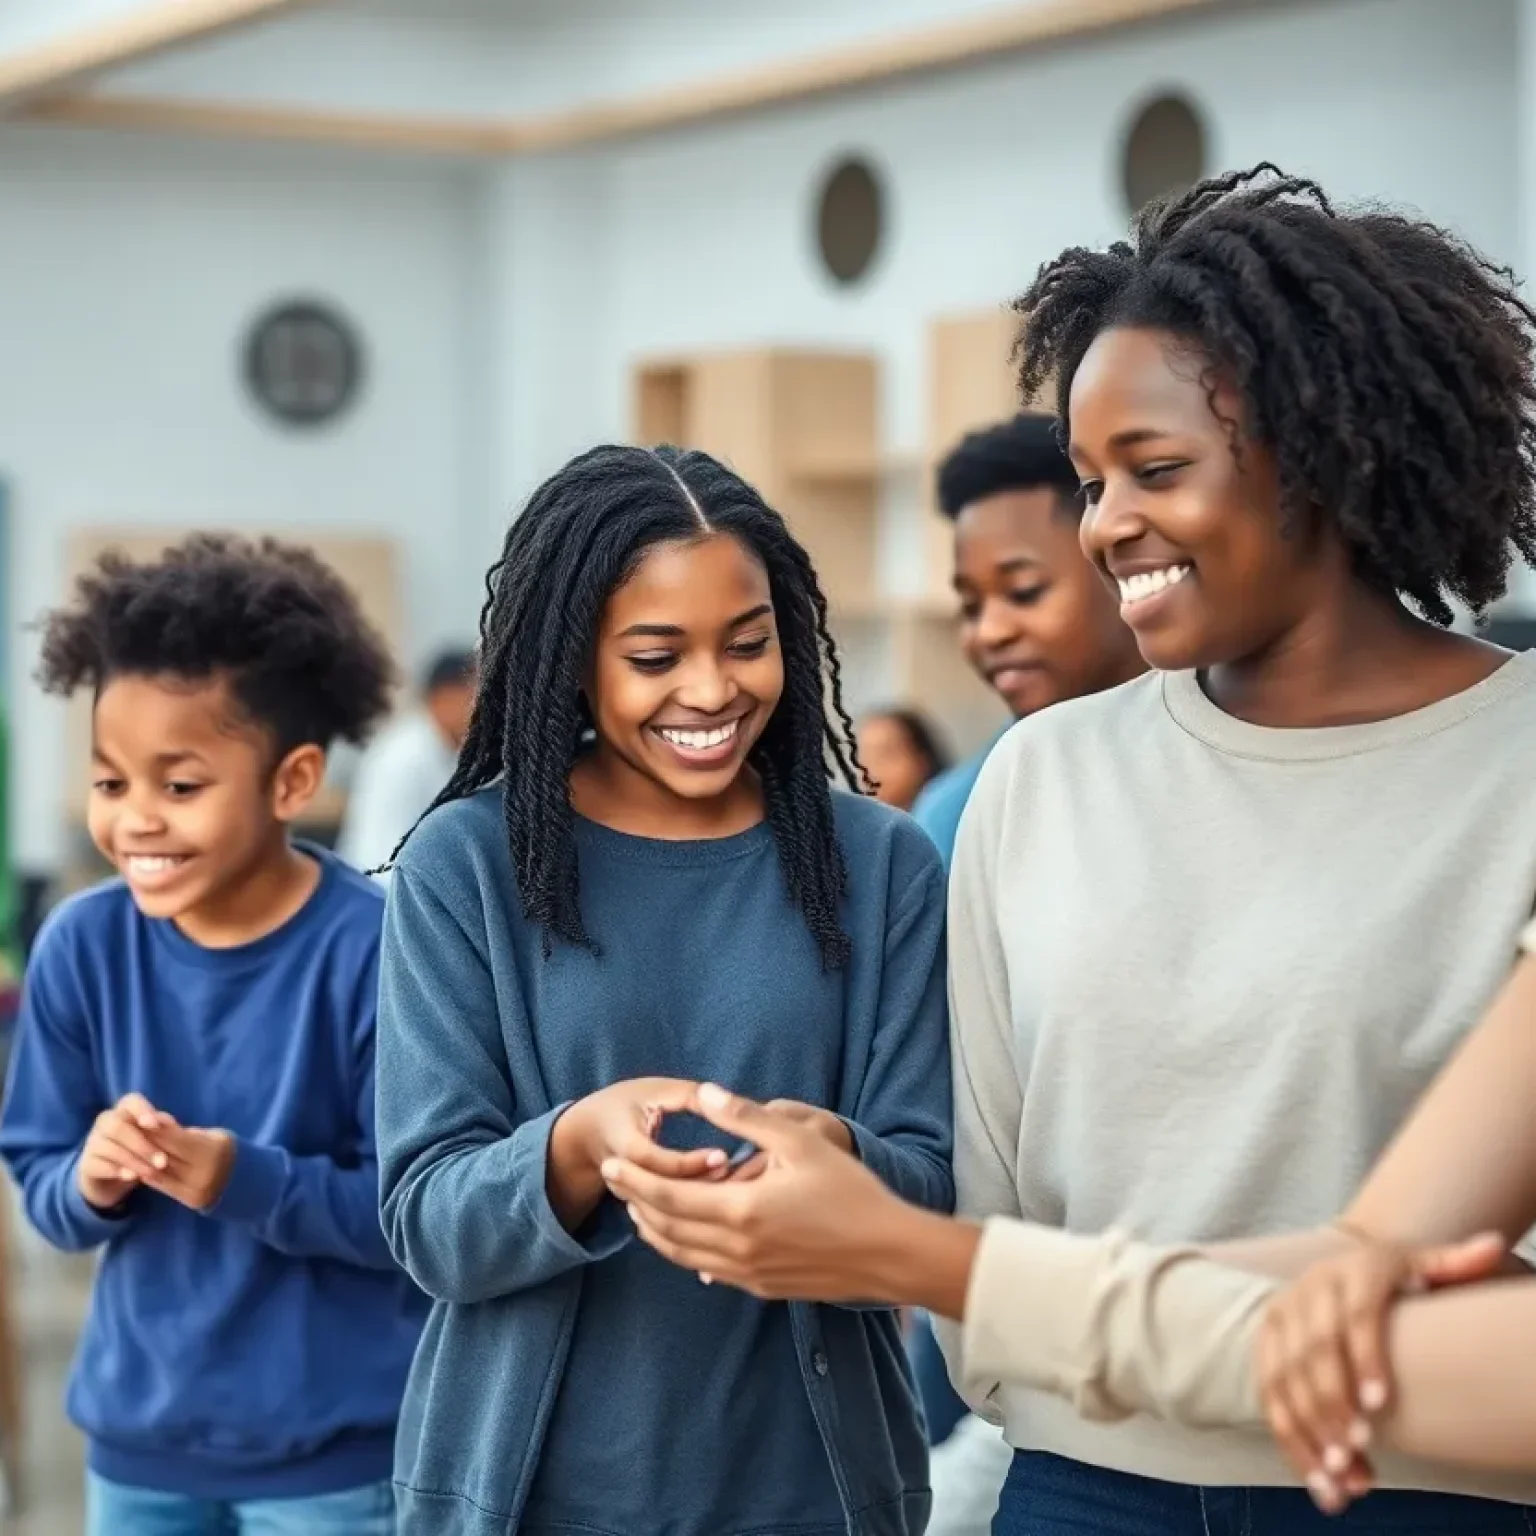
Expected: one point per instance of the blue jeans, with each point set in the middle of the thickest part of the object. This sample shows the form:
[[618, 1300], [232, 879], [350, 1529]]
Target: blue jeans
[[112, 1509], [1051, 1496]]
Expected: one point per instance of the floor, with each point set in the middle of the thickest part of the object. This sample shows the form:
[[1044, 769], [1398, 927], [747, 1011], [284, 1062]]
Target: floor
[[51, 1293]]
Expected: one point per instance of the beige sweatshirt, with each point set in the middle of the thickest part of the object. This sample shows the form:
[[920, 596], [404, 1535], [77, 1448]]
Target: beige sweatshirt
[[1200, 972]]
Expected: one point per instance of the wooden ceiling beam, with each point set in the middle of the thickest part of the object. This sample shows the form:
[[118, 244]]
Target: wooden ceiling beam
[[949, 45], [138, 34]]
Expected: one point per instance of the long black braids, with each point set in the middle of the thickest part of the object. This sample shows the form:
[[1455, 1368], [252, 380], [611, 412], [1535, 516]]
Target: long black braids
[[1384, 363], [580, 536]]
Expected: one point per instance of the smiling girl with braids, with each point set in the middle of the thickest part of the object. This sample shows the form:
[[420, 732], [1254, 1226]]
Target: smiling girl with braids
[[639, 877]]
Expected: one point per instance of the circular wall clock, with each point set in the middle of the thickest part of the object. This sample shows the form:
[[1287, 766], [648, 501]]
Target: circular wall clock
[[303, 363]]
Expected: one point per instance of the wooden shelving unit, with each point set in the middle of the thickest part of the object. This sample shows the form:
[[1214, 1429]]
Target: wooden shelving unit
[[801, 426], [971, 384]]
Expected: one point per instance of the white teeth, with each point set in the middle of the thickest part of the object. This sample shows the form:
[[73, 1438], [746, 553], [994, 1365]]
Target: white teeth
[[1145, 584], [154, 864], [702, 741]]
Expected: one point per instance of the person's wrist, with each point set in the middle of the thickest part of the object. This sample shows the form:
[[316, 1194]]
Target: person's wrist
[[916, 1258], [577, 1129], [837, 1131]]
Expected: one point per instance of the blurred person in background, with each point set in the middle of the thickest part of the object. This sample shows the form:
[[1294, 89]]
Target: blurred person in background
[[901, 754], [192, 1086], [401, 771]]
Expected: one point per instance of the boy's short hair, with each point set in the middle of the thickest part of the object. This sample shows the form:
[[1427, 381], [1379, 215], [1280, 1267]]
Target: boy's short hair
[[272, 620], [448, 669], [1024, 454]]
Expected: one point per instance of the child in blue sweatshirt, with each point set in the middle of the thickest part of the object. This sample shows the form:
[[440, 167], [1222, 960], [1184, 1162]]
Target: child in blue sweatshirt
[[192, 1086], [640, 876]]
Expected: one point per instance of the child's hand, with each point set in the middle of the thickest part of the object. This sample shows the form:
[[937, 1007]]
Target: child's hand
[[198, 1164], [121, 1153]]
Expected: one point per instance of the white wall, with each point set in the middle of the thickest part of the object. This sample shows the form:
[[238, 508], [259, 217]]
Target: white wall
[[506, 305], [128, 271], [32, 23], [705, 238]]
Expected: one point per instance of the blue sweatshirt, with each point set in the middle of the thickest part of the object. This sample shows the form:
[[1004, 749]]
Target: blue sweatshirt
[[578, 1383], [258, 1350]]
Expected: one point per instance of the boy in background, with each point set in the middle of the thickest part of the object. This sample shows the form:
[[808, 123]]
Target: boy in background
[[1039, 625], [1037, 622], [192, 1083]]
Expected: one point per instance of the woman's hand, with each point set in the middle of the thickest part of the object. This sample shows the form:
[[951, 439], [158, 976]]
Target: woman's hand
[[1322, 1357], [809, 1225], [833, 1129]]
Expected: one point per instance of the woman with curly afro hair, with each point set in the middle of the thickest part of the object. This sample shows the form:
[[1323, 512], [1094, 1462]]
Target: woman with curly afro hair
[[1214, 931], [640, 876]]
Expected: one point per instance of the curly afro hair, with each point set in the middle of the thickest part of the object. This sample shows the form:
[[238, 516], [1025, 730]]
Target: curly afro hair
[[272, 619], [1384, 364], [580, 537]]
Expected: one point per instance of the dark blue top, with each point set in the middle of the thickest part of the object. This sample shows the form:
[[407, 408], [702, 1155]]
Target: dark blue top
[[258, 1350], [581, 1384]]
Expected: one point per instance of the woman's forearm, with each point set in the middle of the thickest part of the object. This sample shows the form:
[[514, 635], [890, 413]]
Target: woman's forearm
[[1419, 1194], [1464, 1393]]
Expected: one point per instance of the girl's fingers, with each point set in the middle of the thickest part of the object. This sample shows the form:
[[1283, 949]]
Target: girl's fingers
[[1286, 1424], [1365, 1338], [1329, 1381], [670, 1164]]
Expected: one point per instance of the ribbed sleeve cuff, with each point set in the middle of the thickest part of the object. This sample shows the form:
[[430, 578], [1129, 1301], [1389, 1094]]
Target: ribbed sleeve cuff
[[255, 1184], [88, 1225], [604, 1232]]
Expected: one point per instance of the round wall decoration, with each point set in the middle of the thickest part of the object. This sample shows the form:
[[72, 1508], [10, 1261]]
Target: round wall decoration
[[850, 218], [303, 363], [1165, 150]]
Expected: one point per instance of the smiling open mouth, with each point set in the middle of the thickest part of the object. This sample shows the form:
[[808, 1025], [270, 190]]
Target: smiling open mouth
[[699, 741], [147, 868], [1145, 584], [703, 746]]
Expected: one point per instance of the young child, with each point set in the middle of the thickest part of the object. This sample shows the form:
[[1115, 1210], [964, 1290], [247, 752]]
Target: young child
[[192, 1086], [639, 876]]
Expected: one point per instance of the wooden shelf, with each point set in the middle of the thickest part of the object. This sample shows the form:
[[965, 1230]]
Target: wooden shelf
[[798, 424], [971, 385], [801, 425], [891, 467]]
